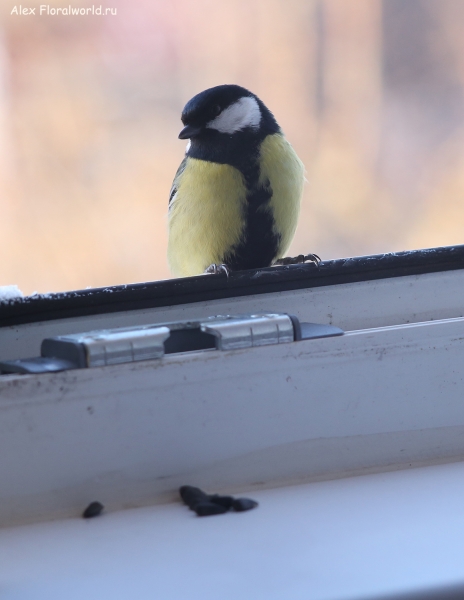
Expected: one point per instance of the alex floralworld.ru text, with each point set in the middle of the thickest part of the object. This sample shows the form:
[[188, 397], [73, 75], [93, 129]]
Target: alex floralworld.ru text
[[46, 9]]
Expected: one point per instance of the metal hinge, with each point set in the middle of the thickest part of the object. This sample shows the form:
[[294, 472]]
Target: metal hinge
[[125, 345]]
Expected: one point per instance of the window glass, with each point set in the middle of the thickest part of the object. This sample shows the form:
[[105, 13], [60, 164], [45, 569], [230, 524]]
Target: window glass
[[368, 92]]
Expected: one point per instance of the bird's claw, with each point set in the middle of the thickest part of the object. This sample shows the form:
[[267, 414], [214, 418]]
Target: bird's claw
[[215, 269], [300, 259]]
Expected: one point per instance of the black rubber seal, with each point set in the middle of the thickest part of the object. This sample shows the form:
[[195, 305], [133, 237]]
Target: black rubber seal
[[241, 283]]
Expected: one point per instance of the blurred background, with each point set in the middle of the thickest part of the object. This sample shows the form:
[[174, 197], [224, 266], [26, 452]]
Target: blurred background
[[369, 92]]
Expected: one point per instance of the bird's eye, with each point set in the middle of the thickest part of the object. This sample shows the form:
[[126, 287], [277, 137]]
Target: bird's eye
[[216, 110]]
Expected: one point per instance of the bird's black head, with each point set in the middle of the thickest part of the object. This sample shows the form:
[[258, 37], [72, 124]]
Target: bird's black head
[[226, 110]]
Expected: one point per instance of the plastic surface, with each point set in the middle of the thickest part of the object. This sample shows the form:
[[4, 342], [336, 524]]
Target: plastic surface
[[242, 283], [391, 536]]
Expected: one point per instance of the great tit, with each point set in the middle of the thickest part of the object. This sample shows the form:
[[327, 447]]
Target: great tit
[[236, 196]]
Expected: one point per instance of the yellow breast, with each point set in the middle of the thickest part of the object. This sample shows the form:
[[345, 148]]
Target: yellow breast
[[281, 166], [206, 216]]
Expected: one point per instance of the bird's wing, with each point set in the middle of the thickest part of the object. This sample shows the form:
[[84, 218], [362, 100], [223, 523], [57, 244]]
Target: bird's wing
[[175, 183]]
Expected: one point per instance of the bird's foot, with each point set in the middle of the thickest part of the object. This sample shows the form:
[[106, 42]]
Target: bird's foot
[[296, 260], [215, 269]]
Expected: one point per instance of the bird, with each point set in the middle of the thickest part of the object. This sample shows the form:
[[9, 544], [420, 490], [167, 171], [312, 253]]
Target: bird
[[235, 199]]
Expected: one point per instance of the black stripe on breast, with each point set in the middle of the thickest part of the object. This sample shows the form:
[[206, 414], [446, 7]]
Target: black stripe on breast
[[259, 244]]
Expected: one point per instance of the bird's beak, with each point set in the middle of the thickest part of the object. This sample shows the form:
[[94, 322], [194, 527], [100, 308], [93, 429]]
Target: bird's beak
[[189, 131]]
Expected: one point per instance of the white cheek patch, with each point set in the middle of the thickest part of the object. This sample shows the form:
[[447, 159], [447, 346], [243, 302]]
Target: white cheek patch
[[243, 113], [187, 147]]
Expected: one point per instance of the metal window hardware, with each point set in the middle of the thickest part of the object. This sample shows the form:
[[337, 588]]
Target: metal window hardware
[[131, 344], [233, 333]]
